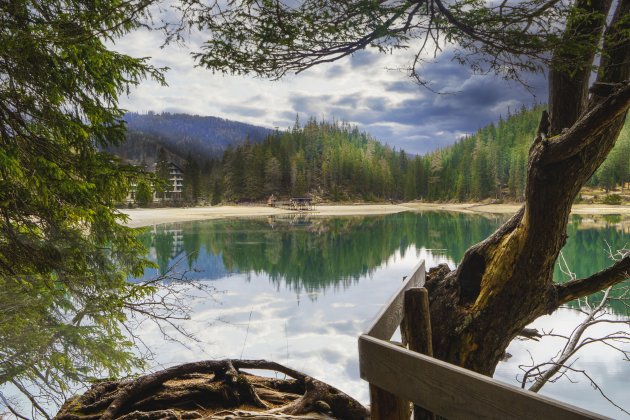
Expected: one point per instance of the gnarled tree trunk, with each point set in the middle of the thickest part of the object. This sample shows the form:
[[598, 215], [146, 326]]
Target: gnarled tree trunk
[[505, 282]]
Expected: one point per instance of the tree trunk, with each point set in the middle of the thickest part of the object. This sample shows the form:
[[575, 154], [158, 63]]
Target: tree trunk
[[505, 282]]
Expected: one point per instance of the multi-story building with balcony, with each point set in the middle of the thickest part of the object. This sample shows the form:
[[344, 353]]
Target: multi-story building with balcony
[[176, 182]]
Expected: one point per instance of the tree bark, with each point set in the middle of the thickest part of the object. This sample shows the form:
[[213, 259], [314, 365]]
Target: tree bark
[[505, 282]]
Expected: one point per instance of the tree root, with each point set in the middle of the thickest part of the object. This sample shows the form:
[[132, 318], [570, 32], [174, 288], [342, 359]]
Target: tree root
[[214, 389]]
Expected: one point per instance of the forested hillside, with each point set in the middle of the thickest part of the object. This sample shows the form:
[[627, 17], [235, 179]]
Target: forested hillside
[[493, 162], [143, 149], [335, 161], [331, 160], [338, 162], [182, 134]]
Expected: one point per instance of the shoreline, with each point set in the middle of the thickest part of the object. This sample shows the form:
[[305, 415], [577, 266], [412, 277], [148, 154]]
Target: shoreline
[[583, 209], [154, 216]]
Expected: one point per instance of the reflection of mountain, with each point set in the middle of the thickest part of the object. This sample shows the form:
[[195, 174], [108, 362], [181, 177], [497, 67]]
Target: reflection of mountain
[[313, 254]]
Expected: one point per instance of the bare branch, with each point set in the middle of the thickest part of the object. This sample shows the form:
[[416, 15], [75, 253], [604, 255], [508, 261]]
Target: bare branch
[[10, 407], [558, 366], [612, 275]]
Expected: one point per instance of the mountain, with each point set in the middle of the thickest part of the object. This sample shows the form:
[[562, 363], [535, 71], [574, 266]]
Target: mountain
[[183, 134]]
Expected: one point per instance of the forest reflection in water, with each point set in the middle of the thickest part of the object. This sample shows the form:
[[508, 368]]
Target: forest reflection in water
[[309, 254], [299, 290]]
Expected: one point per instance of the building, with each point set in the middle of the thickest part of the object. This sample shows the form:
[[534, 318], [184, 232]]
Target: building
[[175, 189]]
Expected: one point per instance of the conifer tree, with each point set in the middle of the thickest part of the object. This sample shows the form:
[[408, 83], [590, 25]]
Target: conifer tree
[[65, 254]]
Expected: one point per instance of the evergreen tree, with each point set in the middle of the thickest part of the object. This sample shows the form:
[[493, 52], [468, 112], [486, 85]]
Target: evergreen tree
[[65, 255], [162, 173], [216, 192], [273, 175], [144, 194], [410, 184], [192, 180]]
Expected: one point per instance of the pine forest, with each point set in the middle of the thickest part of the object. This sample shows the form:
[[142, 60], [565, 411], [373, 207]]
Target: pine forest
[[337, 162]]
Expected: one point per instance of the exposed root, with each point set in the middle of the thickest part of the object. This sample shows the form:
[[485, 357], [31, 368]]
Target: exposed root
[[214, 389]]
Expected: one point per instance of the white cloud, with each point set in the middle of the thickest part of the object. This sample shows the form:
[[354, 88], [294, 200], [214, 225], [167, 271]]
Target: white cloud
[[358, 89]]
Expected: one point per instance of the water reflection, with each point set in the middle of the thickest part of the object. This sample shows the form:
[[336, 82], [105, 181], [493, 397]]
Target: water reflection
[[298, 290], [279, 274], [310, 254]]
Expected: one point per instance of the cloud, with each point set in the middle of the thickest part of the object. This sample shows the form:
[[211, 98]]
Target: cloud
[[336, 71], [242, 110], [357, 89], [364, 58], [401, 86]]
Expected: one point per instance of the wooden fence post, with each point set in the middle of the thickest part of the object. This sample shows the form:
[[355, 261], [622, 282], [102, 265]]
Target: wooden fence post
[[387, 406], [416, 332]]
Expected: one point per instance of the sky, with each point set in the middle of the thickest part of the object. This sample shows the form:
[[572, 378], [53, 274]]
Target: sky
[[361, 89]]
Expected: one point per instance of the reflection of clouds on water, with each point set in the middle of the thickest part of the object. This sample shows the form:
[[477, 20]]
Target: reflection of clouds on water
[[317, 337], [343, 327], [606, 367], [314, 326]]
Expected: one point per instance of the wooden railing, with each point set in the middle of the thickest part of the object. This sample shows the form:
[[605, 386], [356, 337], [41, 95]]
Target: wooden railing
[[399, 376]]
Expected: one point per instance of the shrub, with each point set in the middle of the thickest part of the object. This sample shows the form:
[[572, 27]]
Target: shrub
[[613, 199], [144, 195]]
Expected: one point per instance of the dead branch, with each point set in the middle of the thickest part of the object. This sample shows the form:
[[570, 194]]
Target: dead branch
[[571, 347], [559, 365]]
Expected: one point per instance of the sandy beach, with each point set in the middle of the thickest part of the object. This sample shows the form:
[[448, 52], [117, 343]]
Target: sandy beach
[[513, 208], [148, 217]]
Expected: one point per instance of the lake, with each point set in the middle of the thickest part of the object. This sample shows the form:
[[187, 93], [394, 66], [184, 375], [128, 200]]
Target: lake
[[300, 289]]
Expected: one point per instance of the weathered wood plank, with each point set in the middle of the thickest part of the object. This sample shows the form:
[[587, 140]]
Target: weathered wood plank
[[386, 406], [451, 391], [390, 316], [416, 328], [417, 321]]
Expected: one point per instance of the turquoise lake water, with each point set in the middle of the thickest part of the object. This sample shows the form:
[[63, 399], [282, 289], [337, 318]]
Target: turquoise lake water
[[299, 290]]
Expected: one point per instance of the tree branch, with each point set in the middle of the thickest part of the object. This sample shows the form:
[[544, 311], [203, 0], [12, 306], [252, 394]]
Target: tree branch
[[570, 348], [583, 287], [587, 128], [571, 63]]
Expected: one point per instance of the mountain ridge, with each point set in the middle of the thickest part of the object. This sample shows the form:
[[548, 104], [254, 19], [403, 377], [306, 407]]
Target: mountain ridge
[[205, 137]]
